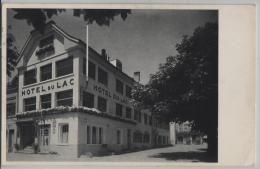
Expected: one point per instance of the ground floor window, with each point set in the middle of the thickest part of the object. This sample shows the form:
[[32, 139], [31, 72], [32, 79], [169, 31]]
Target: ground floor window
[[30, 104], [137, 137], [100, 140], [65, 98], [88, 134], [94, 135], [118, 136], [64, 133], [146, 137]]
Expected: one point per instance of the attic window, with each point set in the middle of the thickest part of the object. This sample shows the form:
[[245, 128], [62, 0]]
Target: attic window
[[46, 41], [46, 46]]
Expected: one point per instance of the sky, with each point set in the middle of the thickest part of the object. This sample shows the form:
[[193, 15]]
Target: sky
[[141, 42]]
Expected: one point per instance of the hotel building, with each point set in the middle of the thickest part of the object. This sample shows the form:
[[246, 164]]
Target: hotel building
[[72, 104]]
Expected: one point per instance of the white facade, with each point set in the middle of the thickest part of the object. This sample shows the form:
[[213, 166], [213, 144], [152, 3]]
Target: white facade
[[41, 115]]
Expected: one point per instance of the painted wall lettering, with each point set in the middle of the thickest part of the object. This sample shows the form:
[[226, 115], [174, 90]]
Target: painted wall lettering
[[48, 87]]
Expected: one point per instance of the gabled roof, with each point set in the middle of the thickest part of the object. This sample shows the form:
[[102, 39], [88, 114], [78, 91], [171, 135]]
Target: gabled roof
[[53, 26]]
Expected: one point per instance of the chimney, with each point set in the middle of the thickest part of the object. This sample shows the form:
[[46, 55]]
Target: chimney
[[104, 54], [117, 63], [137, 76]]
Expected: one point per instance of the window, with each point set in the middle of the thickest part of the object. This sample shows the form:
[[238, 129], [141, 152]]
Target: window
[[65, 98], [100, 138], [46, 41], [94, 135], [102, 76], [88, 134], [128, 112], [128, 91], [30, 77], [84, 66], [119, 110], [11, 109], [64, 67], [64, 133], [30, 104], [118, 136], [102, 104], [46, 101], [145, 118], [146, 137], [137, 137], [119, 86], [46, 72], [137, 116], [88, 100], [150, 120], [91, 70]]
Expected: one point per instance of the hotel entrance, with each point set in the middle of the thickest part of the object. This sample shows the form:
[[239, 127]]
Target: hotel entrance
[[27, 133]]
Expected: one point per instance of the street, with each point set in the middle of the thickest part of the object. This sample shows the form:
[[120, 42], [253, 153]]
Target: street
[[183, 153]]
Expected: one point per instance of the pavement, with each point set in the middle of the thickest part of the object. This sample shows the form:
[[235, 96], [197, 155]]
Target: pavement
[[180, 152]]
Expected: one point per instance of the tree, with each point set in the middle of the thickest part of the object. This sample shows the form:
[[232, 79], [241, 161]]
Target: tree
[[12, 53], [38, 18], [186, 85]]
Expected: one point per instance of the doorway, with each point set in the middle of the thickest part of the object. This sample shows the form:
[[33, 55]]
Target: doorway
[[10, 140], [44, 140]]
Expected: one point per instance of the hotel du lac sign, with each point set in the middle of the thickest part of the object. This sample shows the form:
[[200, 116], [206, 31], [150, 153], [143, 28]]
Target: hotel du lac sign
[[48, 87]]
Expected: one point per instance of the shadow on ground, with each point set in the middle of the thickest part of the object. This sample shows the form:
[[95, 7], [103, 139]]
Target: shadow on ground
[[191, 155]]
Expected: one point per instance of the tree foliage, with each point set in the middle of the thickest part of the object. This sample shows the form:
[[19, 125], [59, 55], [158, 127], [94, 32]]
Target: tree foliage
[[12, 53], [38, 18], [186, 86]]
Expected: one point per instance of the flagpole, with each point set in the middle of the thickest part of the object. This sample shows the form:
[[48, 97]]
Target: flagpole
[[87, 52]]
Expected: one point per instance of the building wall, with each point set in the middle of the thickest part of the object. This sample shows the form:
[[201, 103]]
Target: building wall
[[79, 83], [69, 149]]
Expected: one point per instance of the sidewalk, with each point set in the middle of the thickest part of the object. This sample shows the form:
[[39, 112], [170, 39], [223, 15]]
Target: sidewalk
[[183, 153]]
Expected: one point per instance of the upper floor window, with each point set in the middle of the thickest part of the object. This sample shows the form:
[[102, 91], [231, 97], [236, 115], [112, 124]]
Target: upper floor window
[[46, 101], [84, 66], [11, 109], [119, 86], [102, 104], [64, 67], [128, 91], [102, 76], [150, 120], [65, 98], [119, 110], [128, 112], [88, 100], [137, 116], [145, 118], [30, 77], [91, 70], [46, 72], [30, 104]]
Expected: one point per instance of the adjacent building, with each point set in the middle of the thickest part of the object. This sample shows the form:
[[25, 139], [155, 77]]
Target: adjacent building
[[72, 103]]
